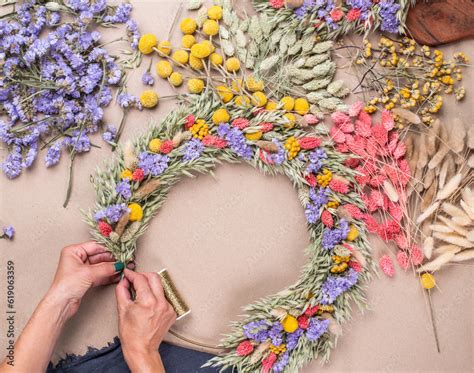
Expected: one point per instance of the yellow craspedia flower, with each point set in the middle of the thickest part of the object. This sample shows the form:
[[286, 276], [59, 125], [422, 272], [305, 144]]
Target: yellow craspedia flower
[[181, 57], [224, 93], [271, 105], [195, 63], [210, 27], [259, 99], [209, 43], [146, 43], [201, 50], [126, 174], [199, 129], [253, 84], [242, 101], [232, 65], [195, 85], [136, 212], [301, 106], [288, 103], [291, 120], [237, 85], [427, 281], [165, 47], [214, 12], [163, 69], [149, 99], [216, 59], [176, 79], [187, 41], [220, 116], [289, 323], [154, 145], [188, 26], [353, 233], [254, 136]]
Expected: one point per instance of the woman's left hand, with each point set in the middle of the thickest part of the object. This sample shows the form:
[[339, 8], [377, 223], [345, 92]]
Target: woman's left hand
[[81, 267]]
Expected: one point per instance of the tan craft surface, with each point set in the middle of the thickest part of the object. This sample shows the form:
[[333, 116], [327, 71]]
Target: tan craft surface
[[226, 242]]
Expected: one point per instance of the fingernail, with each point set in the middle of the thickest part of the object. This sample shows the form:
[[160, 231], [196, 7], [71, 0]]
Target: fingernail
[[131, 265], [119, 266]]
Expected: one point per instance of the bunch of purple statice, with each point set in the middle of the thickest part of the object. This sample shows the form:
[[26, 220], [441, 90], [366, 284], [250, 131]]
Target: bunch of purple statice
[[56, 77]]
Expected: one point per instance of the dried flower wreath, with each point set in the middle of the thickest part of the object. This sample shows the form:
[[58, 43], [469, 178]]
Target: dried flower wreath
[[283, 331]]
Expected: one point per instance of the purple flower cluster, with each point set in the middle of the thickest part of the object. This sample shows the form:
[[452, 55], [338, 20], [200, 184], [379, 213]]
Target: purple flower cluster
[[318, 198], [236, 140], [275, 333], [8, 232], [304, 9], [147, 78], [257, 330], [316, 158], [363, 5], [193, 150], [112, 213], [292, 339], [336, 285], [324, 9], [332, 237], [152, 164], [388, 15], [281, 363], [123, 189], [316, 329], [56, 78], [280, 156], [109, 134], [128, 101]]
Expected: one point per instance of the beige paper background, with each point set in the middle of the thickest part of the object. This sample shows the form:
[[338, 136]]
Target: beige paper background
[[226, 242]]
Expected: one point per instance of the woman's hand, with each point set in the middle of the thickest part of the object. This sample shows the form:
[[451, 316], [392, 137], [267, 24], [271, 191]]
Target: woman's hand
[[81, 267], [143, 322]]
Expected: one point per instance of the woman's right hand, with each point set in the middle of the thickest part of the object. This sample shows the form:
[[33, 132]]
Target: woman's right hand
[[143, 321]]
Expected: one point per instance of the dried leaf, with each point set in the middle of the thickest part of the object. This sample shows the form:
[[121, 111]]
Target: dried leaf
[[454, 239], [450, 187], [462, 257], [407, 115], [427, 213]]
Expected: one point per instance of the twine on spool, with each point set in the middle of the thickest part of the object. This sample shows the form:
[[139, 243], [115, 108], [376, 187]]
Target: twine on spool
[[172, 295]]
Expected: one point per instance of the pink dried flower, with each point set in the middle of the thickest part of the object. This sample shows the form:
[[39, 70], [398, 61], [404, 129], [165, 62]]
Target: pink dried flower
[[244, 348], [309, 143], [326, 219], [371, 223], [265, 157], [337, 135], [339, 118], [104, 228], [336, 14], [402, 259], [395, 211], [266, 127], [352, 162], [277, 4], [353, 211], [399, 151], [416, 255], [166, 147], [386, 265], [311, 311], [240, 123], [303, 322], [338, 186], [401, 241], [380, 134], [268, 362], [353, 15], [355, 265], [342, 148], [311, 179], [387, 120], [214, 141], [311, 119], [377, 180], [355, 109], [138, 175], [189, 121]]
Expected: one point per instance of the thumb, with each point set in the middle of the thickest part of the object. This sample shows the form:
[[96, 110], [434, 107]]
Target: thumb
[[122, 292], [102, 272]]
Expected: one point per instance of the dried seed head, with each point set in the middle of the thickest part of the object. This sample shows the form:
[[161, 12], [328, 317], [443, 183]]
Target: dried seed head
[[147, 188]]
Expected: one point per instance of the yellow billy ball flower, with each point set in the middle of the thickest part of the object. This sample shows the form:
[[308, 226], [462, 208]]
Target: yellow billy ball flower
[[195, 85], [254, 136], [253, 84], [242, 101], [427, 281], [288, 103], [210, 27], [176, 79], [214, 12], [259, 99], [164, 69], [290, 120], [301, 106], [201, 50], [220, 116], [188, 26], [146, 43], [289, 323], [353, 233], [195, 63], [126, 174], [155, 145], [232, 64], [271, 105], [136, 212], [181, 57], [165, 47], [149, 99], [216, 59], [237, 85], [188, 41], [224, 93], [209, 43]]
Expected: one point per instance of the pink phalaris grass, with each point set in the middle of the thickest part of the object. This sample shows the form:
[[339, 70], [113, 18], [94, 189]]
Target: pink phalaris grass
[[386, 265]]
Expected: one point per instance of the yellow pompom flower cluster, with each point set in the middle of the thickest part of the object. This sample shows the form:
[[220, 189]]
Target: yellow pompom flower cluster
[[149, 99], [163, 69], [181, 57], [324, 178], [200, 129], [214, 12], [259, 99], [340, 263], [293, 147], [136, 212], [176, 79], [253, 84], [332, 204], [154, 145], [254, 136], [427, 281], [220, 116], [195, 85], [353, 233], [289, 323], [277, 349], [224, 93], [146, 43], [301, 106], [232, 65], [188, 26], [126, 174], [210, 27], [187, 41]]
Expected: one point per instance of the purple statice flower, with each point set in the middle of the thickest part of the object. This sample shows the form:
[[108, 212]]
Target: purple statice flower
[[316, 158], [281, 363], [80, 142], [388, 16], [109, 134], [123, 189], [332, 237], [36, 50], [336, 285], [112, 213], [30, 155], [92, 78], [12, 164], [127, 101], [133, 33], [121, 15], [280, 156], [147, 79], [8, 232], [292, 339], [316, 329], [275, 333], [318, 198], [236, 140], [53, 154], [193, 150], [256, 330], [305, 8], [152, 164], [363, 5]]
